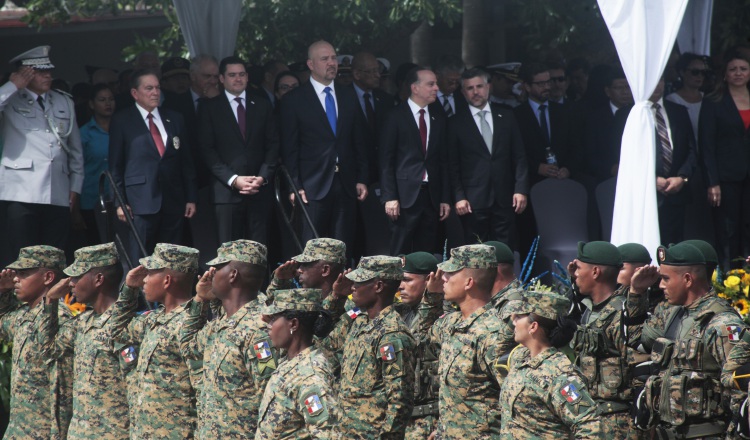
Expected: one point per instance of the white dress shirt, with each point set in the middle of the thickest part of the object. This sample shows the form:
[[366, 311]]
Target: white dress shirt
[[320, 91], [415, 112], [157, 121], [487, 117], [235, 105]]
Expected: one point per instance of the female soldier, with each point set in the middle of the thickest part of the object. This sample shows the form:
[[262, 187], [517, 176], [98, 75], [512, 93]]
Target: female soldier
[[299, 402], [544, 395]]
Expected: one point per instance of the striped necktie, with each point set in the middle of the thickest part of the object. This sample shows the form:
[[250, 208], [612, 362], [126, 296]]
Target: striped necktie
[[666, 145]]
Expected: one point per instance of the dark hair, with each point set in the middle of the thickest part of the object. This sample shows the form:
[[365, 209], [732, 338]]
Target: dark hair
[[559, 332], [609, 273], [391, 285], [475, 72], [578, 64], [412, 76], [484, 278], [721, 87], [687, 58], [401, 72], [529, 70], [230, 60], [282, 75], [112, 274], [316, 323], [98, 88], [615, 74], [135, 78]]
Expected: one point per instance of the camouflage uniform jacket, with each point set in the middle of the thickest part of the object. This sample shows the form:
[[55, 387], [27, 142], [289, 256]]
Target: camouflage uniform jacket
[[469, 381], [512, 291], [376, 388], [165, 401], [100, 401], [655, 325], [238, 359], [299, 402], [41, 391], [545, 397]]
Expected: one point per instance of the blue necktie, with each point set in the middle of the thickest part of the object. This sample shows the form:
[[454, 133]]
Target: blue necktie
[[330, 109]]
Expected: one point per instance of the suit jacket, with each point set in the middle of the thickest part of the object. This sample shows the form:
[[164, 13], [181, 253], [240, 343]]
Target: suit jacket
[[683, 147], [402, 162], [601, 149], [536, 144], [724, 142], [150, 183], [459, 101], [476, 175], [34, 166], [227, 153], [310, 149], [384, 103], [183, 104]]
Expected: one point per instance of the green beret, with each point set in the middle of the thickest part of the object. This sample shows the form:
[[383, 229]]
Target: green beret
[[681, 254], [33, 257], [304, 300], [634, 253], [599, 252], [548, 305], [244, 251], [473, 256], [502, 252], [379, 266], [172, 256], [420, 263], [708, 251], [90, 257]]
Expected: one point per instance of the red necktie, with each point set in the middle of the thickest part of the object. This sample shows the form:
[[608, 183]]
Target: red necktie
[[241, 120], [156, 135]]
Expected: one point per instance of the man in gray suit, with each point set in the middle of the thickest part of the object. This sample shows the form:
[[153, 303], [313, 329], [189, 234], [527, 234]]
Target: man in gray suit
[[41, 168]]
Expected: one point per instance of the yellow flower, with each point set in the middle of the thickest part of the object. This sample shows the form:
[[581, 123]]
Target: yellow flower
[[713, 277], [746, 278], [742, 306], [722, 295], [739, 272], [746, 290], [398, 297], [732, 282]]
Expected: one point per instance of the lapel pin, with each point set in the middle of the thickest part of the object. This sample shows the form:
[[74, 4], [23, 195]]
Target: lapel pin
[[168, 120], [176, 142], [499, 115], [252, 102]]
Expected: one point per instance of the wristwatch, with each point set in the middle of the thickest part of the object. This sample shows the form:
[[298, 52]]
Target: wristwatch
[[684, 179]]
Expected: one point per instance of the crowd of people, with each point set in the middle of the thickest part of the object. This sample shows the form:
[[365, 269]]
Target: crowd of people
[[401, 345]]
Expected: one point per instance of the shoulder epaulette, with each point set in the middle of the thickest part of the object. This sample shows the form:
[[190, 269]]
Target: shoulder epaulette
[[63, 92]]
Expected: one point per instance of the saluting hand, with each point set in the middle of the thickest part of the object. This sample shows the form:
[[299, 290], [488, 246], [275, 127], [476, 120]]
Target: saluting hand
[[204, 290], [286, 271], [22, 77], [342, 287], [134, 278], [59, 290], [435, 282], [6, 280], [643, 278]]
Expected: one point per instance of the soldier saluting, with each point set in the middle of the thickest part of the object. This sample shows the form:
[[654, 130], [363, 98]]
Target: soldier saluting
[[41, 167]]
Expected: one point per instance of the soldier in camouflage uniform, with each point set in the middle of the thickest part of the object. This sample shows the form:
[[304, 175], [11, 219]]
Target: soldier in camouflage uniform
[[544, 395], [687, 399], [419, 308], [41, 391], [471, 341], [237, 353], [376, 387], [507, 286], [100, 400], [600, 347], [317, 267], [166, 399], [299, 401]]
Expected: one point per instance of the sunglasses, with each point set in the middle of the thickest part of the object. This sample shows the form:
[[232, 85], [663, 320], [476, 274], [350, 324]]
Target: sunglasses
[[698, 72]]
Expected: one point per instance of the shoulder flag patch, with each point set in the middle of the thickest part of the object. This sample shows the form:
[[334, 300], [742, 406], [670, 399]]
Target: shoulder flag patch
[[733, 332], [387, 353], [353, 313], [128, 354], [314, 407], [570, 392], [262, 350]]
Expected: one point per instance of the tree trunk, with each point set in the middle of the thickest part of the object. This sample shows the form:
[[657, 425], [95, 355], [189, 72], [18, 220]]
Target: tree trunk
[[421, 44], [474, 41]]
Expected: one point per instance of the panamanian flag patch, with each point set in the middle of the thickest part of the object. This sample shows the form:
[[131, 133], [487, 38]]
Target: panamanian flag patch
[[262, 350], [388, 353], [570, 393], [353, 313], [733, 332], [314, 407], [128, 354]]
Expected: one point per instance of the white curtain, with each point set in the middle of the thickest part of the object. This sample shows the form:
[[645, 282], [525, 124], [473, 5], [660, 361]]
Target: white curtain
[[209, 27], [644, 32], [695, 32]]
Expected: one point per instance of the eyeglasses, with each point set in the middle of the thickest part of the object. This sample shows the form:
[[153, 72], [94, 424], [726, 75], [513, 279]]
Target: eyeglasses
[[542, 83], [698, 72], [559, 79]]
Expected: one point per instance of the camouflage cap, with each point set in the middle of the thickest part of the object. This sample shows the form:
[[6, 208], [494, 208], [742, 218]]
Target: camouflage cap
[[244, 251], [634, 253], [599, 252], [87, 258], [323, 249], [172, 256], [548, 305], [379, 266], [419, 263], [681, 254], [33, 257], [304, 300], [708, 251], [473, 256], [502, 252]]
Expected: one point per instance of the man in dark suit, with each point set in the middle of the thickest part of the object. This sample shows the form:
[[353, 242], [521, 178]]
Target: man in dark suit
[[675, 161], [449, 99], [239, 142], [150, 161], [322, 146], [488, 168], [413, 168]]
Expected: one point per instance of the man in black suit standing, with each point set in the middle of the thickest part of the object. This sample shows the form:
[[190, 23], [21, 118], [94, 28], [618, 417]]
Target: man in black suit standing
[[488, 168], [413, 167], [239, 142], [675, 161], [150, 161], [322, 146], [449, 100]]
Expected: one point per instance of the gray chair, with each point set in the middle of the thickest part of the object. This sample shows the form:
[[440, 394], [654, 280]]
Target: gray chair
[[605, 199], [560, 210]]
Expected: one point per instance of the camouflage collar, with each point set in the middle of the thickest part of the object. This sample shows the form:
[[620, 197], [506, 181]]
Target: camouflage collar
[[698, 303], [31, 314], [536, 361], [231, 322], [163, 318], [99, 321], [382, 316], [464, 324], [515, 284]]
